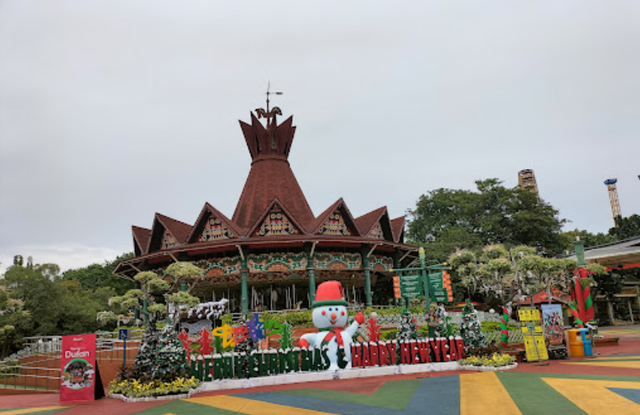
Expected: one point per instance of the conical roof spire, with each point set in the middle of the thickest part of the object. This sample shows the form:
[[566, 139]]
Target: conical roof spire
[[271, 175]]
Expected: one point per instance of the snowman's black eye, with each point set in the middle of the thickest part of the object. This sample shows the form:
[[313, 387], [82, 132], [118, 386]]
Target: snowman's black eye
[[329, 308]]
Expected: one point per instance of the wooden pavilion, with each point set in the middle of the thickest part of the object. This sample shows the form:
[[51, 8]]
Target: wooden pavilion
[[273, 251]]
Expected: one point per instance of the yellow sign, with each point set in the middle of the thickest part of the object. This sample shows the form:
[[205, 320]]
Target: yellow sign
[[533, 334]]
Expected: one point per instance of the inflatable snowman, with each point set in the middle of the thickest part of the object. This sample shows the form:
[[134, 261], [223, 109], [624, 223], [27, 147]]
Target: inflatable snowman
[[330, 317]]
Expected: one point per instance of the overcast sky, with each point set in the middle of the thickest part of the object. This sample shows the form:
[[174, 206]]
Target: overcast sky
[[111, 111]]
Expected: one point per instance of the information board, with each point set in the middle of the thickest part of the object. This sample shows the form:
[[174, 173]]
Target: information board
[[437, 289], [78, 362], [411, 285], [532, 333]]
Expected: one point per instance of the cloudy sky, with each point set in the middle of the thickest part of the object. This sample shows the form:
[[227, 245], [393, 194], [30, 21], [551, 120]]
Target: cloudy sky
[[111, 111]]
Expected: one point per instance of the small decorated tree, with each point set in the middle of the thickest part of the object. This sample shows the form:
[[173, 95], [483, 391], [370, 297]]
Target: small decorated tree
[[470, 329], [407, 329], [170, 358], [443, 326]]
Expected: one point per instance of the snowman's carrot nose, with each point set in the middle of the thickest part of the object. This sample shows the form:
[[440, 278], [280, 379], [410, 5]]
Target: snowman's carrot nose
[[333, 316]]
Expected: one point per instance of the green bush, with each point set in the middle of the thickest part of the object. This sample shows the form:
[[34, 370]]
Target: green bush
[[390, 334], [493, 326]]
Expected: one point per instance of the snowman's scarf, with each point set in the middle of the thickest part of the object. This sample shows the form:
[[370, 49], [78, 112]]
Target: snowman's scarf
[[333, 331]]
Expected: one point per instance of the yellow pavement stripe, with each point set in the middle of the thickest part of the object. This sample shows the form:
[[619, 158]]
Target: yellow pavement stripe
[[31, 410], [252, 407], [593, 397], [484, 390], [616, 358], [630, 364]]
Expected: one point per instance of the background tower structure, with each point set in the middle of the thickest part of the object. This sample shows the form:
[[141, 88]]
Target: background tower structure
[[613, 197], [527, 180]]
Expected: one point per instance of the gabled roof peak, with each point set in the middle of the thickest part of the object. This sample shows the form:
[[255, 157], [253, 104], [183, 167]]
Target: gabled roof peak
[[345, 215], [276, 219]]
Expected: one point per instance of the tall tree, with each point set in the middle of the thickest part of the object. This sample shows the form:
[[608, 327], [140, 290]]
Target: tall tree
[[626, 227], [445, 219], [95, 276]]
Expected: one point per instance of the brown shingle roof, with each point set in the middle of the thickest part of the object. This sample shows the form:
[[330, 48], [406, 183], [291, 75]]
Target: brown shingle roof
[[366, 221], [270, 175], [179, 230], [346, 214], [141, 238], [215, 212]]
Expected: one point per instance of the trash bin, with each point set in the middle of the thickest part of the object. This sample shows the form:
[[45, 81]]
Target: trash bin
[[576, 346], [586, 340]]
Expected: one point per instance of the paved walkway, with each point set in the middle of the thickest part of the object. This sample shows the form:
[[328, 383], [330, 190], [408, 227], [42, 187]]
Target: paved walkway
[[607, 384]]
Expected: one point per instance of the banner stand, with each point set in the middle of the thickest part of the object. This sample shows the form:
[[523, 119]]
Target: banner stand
[[78, 370], [99, 387]]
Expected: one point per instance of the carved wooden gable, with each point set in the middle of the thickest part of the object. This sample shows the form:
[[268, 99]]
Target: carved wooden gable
[[335, 225], [276, 223], [214, 230], [168, 240], [376, 231]]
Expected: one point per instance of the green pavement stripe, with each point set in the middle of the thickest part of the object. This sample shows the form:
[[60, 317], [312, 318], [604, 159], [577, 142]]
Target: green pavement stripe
[[184, 408], [533, 396], [391, 395]]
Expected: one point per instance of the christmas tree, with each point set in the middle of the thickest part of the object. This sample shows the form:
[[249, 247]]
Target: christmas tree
[[170, 359], [145, 359], [407, 329], [443, 326], [470, 329]]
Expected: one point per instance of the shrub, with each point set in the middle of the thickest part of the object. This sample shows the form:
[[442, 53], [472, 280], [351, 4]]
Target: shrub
[[142, 389], [496, 360], [493, 326]]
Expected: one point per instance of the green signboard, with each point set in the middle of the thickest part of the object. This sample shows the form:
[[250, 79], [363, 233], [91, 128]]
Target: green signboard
[[411, 285], [436, 286]]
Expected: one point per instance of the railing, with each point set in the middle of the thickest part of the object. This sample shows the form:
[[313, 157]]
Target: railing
[[37, 365]]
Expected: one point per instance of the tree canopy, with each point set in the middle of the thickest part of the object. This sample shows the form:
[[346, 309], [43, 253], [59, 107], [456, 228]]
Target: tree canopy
[[446, 219]]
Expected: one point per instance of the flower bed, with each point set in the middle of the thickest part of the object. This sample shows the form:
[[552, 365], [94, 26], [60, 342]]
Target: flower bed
[[495, 361], [136, 389]]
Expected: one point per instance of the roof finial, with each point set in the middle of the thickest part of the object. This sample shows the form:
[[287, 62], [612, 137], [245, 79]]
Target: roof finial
[[269, 114]]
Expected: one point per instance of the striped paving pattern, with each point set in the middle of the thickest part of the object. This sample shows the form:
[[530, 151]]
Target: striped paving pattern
[[497, 393]]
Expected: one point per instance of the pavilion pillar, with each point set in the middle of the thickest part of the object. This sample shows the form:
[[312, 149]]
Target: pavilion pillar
[[311, 271], [396, 265], [244, 287], [183, 285], [367, 275]]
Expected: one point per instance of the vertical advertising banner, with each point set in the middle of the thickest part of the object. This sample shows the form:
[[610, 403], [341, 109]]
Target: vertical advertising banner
[[553, 322], [78, 362]]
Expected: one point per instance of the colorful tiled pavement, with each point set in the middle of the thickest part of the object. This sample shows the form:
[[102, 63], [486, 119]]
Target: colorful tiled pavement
[[608, 384]]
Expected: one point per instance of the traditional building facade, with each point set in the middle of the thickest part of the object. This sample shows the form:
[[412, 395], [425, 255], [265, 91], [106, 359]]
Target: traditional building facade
[[273, 251]]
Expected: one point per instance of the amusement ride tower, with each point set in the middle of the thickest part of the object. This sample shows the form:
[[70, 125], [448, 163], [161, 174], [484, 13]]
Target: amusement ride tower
[[613, 197]]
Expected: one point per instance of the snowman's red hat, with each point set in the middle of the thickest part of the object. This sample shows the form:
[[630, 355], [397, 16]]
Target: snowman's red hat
[[329, 293]]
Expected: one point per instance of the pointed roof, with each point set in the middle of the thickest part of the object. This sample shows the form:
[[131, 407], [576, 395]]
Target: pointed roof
[[275, 202], [397, 227], [205, 213], [141, 239], [324, 216], [179, 230], [368, 220], [270, 175]]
